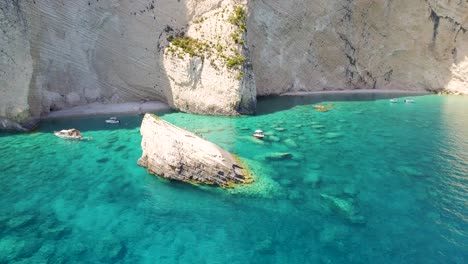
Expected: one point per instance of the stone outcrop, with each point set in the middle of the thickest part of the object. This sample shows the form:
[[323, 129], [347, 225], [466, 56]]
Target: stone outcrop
[[59, 54], [174, 153], [208, 64]]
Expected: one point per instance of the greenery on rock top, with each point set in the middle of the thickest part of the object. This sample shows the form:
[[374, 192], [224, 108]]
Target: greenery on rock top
[[181, 44]]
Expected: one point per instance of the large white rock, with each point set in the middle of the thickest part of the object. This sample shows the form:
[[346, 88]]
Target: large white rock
[[174, 153], [204, 83]]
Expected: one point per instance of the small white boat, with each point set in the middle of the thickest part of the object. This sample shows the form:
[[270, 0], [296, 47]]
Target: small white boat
[[409, 101], [113, 120], [258, 134], [69, 134], [394, 100]]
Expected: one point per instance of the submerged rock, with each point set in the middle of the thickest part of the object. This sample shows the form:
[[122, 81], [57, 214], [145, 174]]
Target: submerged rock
[[312, 178], [345, 207], [273, 138], [290, 143], [174, 153], [276, 156], [333, 135]]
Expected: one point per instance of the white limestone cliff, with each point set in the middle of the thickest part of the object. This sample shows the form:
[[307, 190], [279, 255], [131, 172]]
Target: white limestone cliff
[[59, 54], [305, 45], [208, 64]]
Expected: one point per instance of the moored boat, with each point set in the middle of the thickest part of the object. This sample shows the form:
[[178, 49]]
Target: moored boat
[[258, 134], [112, 120]]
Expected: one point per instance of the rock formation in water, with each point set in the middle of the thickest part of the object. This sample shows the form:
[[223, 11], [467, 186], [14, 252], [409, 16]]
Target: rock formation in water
[[200, 56], [174, 153]]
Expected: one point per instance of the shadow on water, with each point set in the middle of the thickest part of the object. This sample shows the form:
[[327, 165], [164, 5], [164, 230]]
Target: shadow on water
[[93, 123], [271, 104]]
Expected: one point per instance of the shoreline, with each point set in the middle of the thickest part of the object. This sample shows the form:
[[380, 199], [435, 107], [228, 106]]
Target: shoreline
[[356, 91], [96, 108]]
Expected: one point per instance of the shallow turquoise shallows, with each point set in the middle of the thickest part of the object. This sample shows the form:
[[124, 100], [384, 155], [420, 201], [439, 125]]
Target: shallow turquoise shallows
[[369, 181]]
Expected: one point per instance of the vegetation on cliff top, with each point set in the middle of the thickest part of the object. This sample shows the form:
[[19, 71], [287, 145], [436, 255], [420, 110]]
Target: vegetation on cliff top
[[181, 44], [237, 18]]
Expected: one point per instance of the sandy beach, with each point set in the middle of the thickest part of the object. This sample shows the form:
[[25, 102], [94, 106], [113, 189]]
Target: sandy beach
[[357, 91], [103, 109]]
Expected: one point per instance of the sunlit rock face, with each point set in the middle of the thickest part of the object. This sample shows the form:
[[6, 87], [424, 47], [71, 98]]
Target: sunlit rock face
[[59, 54], [174, 153], [315, 45], [207, 63]]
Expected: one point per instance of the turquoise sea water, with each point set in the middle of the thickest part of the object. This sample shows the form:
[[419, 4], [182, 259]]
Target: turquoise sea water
[[366, 182]]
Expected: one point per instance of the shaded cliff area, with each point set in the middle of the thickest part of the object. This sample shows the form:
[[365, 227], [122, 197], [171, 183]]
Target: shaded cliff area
[[59, 54]]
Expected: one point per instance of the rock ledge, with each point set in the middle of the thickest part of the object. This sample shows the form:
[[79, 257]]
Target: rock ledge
[[174, 153]]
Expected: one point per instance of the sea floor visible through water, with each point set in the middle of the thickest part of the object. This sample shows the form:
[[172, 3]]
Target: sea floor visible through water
[[369, 181]]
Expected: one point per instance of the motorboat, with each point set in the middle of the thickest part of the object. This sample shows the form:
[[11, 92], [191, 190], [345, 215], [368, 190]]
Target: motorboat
[[394, 100], [71, 133], [112, 120], [258, 134], [409, 101]]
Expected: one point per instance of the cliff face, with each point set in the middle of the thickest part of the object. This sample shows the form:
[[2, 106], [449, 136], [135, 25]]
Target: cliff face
[[305, 45], [58, 54]]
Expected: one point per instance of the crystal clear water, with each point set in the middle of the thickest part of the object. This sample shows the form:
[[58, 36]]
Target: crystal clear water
[[366, 182]]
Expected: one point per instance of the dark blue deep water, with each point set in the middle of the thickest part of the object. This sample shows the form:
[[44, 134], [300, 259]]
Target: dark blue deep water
[[366, 182]]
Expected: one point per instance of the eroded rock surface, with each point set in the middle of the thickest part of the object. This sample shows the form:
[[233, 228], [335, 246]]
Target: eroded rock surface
[[58, 54], [313, 45], [174, 153], [208, 66]]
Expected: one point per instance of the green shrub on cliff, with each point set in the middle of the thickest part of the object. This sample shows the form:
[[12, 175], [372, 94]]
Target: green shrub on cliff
[[235, 61], [238, 17], [190, 45]]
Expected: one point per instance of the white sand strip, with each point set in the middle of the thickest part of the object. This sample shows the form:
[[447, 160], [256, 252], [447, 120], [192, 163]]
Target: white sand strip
[[102, 109], [357, 91]]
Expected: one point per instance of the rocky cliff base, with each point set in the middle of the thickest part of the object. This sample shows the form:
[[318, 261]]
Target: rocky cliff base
[[174, 153]]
